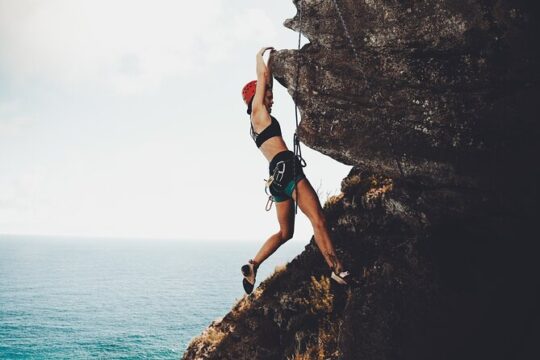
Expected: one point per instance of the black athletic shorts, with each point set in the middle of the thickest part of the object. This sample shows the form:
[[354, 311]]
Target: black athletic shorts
[[287, 171]]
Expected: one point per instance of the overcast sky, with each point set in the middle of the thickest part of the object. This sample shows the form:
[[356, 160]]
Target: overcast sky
[[124, 118]]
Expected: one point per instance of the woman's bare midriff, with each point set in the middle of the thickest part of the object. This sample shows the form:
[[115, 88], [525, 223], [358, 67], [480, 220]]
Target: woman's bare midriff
[[273, 146]]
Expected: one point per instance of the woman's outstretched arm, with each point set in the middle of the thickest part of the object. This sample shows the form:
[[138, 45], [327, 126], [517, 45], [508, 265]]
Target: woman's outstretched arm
[[263, 79]]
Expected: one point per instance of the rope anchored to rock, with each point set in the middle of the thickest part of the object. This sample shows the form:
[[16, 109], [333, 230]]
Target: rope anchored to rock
[[357, 57], [296, 138]]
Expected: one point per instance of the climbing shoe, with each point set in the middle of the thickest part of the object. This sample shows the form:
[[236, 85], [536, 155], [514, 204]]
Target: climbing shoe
[[341, 278], [249, 271]]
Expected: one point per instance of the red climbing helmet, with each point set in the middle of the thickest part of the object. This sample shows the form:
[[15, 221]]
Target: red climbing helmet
[[249, 91]]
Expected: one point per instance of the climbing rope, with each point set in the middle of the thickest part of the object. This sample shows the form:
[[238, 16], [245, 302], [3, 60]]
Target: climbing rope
[[296, 139], [355, 53]]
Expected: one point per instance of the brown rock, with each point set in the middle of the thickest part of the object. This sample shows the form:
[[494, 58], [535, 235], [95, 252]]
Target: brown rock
[[437, 111]]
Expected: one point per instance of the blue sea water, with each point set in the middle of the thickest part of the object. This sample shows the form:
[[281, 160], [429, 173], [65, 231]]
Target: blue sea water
[[80, 298]]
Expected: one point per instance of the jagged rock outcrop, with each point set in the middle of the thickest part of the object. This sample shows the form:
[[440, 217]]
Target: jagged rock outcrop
[[438, 115]]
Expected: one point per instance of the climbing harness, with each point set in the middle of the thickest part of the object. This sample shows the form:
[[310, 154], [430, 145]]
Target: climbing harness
[[355, 53], [275, 178]]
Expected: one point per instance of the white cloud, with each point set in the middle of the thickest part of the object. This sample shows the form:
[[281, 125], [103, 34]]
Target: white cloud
[[244, 31], [12, 120], [253, 24], [14, 125], [129, 45], [17, 198]]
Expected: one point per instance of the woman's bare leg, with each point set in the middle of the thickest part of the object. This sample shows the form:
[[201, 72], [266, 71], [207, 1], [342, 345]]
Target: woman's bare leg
[[285, 215], [309, 203]]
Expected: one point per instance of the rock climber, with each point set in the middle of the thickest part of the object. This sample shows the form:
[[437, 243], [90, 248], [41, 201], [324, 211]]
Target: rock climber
[[287, 181]]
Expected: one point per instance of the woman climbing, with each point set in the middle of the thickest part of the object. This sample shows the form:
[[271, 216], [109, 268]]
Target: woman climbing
[[286, 174]]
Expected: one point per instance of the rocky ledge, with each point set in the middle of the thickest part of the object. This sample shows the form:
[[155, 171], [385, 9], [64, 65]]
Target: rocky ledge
[[434, 104]]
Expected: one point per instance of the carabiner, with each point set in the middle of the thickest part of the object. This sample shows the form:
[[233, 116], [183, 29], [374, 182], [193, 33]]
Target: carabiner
[[269, 203]]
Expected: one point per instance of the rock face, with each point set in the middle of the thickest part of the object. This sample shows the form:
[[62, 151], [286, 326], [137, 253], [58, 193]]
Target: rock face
[[434, 103]]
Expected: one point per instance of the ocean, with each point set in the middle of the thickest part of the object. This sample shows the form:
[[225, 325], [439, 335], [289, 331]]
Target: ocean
[[81, 298]]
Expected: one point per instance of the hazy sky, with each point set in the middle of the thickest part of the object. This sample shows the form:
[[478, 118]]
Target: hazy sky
[[124, 118]]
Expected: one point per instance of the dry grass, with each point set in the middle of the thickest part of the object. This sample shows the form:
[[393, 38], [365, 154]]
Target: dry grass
[[280, 268], [320, 301], [210, 338], [213, 336], [311, 353], [379, 187], [246, 301], [321, 298], [325, 346], [333, 200], [242, 305], [350, 182]]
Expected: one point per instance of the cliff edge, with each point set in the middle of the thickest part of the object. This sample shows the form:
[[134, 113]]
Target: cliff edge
[[434, 104]]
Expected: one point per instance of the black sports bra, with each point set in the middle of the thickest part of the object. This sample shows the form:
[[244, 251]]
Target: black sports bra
[[270, 131]]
